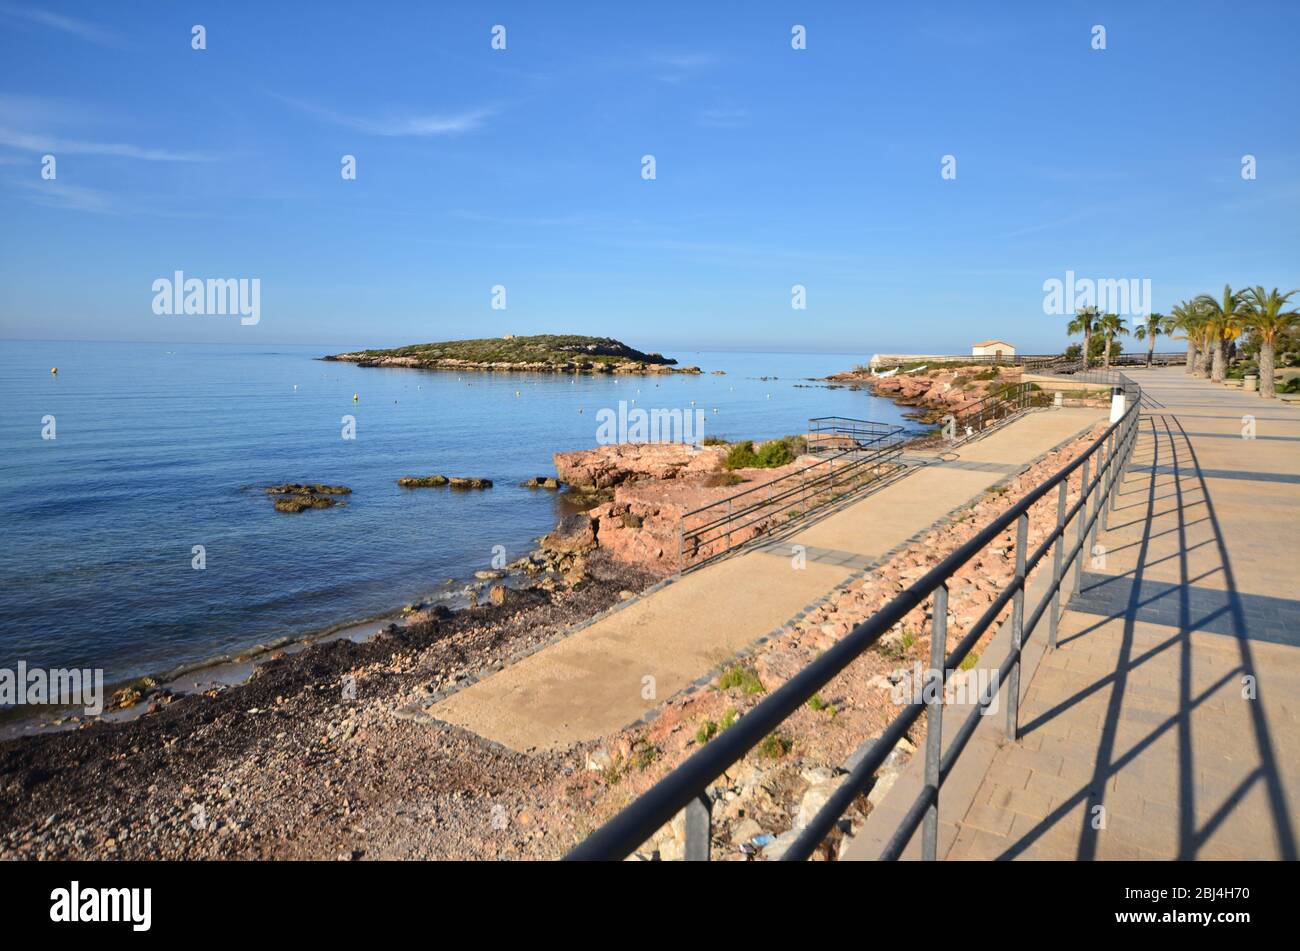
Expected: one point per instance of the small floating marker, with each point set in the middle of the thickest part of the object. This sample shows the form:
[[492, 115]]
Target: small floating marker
[[516, 392], [356, 398], [295, 386], [579, 410], [54, 371]]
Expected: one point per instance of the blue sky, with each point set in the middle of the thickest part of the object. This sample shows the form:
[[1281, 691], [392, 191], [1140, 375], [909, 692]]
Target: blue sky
[[522, 167]]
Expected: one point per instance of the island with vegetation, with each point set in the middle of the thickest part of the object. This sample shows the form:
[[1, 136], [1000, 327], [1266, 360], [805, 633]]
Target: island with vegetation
[[546, 353]]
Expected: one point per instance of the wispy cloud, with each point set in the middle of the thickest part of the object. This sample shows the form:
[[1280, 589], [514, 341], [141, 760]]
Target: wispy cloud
[[679, 67], [69, 197], [724, 118], [421, 125], [91, 32], [33, 142]]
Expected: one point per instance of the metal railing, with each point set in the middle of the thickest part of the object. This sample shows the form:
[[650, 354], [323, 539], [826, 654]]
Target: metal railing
[[687, 786], [838, 433], [1063, 364], [974, 417], [713, 530]]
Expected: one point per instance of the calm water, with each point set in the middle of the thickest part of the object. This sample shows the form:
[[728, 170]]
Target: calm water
[[161, 447]]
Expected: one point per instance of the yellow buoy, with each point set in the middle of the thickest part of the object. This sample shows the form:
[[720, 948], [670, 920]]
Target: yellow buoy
[[54, 371], [355, 398]]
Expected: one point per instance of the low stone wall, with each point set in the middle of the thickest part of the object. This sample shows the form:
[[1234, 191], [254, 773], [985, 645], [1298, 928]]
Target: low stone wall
[[890, 359]]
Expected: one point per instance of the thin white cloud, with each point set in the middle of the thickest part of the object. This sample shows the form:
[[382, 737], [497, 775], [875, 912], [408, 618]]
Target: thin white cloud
[[724, 118], [681, 66], [82, 29], [56, 194], [32, 142], [419, 125]]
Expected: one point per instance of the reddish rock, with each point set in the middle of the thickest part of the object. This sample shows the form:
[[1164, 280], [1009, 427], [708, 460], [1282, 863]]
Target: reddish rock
[[608, 466]]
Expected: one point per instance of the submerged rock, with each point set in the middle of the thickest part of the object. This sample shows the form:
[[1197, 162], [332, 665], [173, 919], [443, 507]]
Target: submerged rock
[[308, 488], [433, 481], [542, 482], [461, 482], [298, 496], [422, 482]]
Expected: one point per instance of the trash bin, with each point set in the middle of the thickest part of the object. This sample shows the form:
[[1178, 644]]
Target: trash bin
[[1250, 383]]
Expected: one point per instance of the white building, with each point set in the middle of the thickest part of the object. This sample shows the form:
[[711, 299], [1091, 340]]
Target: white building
[[992, 348]]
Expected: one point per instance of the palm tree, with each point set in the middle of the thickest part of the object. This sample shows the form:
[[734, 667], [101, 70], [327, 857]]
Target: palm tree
[[1266, 318], [1082, 324], [1186, 319], [1111, 326], [1156, 324], [1224, 318]]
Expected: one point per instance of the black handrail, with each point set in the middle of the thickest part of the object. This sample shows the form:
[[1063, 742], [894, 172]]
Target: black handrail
[[685, 787], [795, 493]]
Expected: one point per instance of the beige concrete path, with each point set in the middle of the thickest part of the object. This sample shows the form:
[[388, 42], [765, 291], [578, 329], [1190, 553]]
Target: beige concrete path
[[595, 681], [1166, 724]]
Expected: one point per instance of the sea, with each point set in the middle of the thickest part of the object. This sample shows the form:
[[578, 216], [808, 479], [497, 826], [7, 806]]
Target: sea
[[136, 536]]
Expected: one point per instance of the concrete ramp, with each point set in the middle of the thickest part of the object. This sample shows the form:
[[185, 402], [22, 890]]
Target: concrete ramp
[[593, 682]]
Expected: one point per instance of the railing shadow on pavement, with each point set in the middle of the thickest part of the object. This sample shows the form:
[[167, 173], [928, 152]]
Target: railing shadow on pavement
[[1173, 441]]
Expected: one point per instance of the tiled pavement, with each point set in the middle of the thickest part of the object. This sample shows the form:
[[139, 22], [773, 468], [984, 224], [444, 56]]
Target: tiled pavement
[[1167, 723]]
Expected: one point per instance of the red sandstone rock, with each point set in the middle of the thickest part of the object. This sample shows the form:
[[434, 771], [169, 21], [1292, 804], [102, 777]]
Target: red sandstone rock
[[608, 466]]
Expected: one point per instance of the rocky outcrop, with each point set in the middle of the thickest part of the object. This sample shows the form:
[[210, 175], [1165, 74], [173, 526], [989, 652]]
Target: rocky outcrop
[[607, 466], [542, 482], [936, 392], [298, 497], [422, 482], [435, 481]]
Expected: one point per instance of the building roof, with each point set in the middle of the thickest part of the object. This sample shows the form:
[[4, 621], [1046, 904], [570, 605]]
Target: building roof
[[989, 343]]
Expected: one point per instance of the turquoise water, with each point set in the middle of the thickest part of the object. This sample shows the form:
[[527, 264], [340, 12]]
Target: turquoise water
[[161, 447]]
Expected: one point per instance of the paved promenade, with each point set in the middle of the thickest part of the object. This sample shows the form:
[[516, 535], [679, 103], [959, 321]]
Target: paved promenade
[[1167, 722], [592, 682]]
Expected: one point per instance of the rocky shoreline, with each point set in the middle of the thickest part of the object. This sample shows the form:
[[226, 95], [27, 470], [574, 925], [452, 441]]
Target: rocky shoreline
[[933, 393], [326, 753]]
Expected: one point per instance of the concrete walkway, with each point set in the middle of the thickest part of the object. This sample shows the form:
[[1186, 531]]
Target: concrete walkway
[[611, 673], [1166, 724]]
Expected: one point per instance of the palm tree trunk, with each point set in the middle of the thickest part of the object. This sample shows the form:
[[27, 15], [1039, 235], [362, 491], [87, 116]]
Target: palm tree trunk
[[1191, 357], [1203, 358], [1105, 354], [1151, 349], [1218, 369], [1087, 348], [1267, 358]]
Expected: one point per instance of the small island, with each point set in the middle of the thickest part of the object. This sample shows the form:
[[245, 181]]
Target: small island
[[545, 353]]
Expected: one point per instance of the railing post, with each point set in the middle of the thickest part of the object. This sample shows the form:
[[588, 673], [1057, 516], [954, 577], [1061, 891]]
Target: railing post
[[1098, 507], [698, 831], [1083, 521], [1104, 501], [1058, 554], [1017, 627], [934, 720], [728, 523]]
